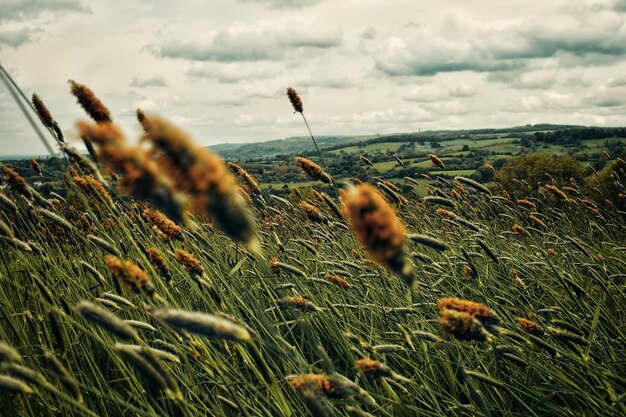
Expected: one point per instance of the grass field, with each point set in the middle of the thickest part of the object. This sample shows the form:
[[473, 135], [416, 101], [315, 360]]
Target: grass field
[[566, 275]]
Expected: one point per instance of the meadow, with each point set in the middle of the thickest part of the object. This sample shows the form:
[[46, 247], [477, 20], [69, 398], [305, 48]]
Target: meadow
[[116, 299]]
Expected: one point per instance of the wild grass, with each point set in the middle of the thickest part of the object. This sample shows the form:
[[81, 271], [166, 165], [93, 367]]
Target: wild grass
[[237, 335]]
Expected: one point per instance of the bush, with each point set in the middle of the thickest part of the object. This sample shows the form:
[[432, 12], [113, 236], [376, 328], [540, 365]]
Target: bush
[[537, 169], [609, 184]]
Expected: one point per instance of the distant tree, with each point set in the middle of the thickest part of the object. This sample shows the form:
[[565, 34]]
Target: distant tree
[[524, 174]]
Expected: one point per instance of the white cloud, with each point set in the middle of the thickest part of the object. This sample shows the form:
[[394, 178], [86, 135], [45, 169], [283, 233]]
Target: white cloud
[[262, 41]]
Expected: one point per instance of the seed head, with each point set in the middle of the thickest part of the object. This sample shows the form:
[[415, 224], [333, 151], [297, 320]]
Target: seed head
[[529, 326], [526, 203], [105, 319], [248, 178], [42, 112], [475, 185], [90, 103], [297, 302], [560, 195], [520, 230], [92, 187], [15, 181], [168, 228], [190, 262], [337, 280], [436, 161], [204, 177], [14, 385], [141, 176], [311, 212], [295, 100], [158, 262], [378, 229], [373, 369], [366, 161], [143, 120], [8, 353], [202, 324], [537, 221], [314, 171], [35, 165], [467, 319], [136, 278]]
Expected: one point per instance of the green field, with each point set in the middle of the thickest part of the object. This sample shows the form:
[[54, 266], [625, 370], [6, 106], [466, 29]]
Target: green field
[[362, 344]]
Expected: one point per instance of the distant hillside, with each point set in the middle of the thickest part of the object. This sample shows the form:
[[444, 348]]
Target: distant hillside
[[271, 148], [303, 145]]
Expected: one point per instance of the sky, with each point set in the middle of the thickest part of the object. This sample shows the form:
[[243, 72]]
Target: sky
[[219, 69]]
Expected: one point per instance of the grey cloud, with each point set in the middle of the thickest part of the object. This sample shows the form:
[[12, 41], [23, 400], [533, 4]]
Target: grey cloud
[[284, 4], [17, 37], [507, 48], [369, 33], [155, 81], [607, 97], [618, 81], [462, 91], [251, 44], [619, 5], [20, 10], [233, 73], [419, 58], [241, 99], [576, 80], [326, 81], [537, 80]]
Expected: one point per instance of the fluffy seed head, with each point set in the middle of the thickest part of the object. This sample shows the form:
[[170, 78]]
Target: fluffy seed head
[[8, 353], [311, 212], [337, 280], [14, 385], [141, 176], [297, 302], [526, 203], [436, 161], [90, 103], [248, 178], [158, 262], [295, 100], [202, 324], [373, 369], [190, 262], [42, 111], [92, 187], [520, 230], [378, 229], [15, 181], [529, 326], [136, 278], [105, 319], [205, 178], [168, 228], [314, 171], [466, 319], [560, 195], [366, 161]]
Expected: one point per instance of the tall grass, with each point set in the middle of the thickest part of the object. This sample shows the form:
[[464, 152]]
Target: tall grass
[[239, 335]]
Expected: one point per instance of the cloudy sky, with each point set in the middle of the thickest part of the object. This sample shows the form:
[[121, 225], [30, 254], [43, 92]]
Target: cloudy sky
[[220, 68]]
